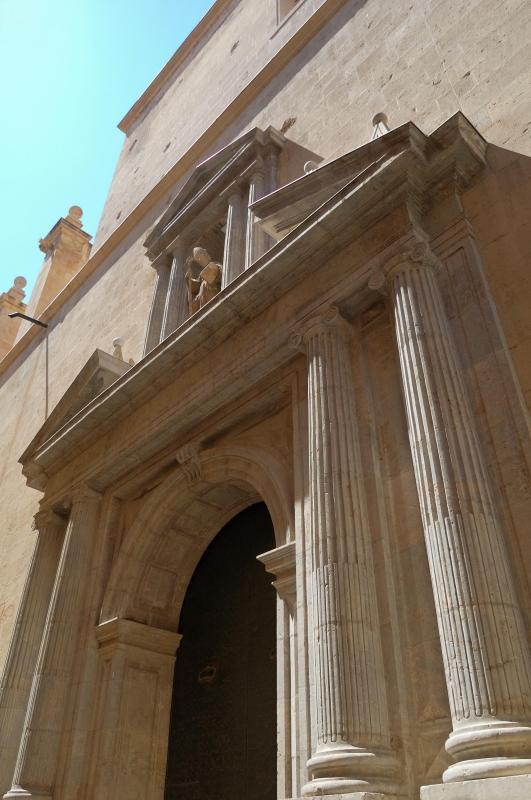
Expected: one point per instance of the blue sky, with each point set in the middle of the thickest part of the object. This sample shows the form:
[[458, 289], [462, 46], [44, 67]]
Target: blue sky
[[69, 71]]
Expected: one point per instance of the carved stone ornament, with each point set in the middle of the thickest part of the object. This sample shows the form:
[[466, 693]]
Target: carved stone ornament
[[36, 477], [327, 317], [188, 457], [207, 284], [45, 519]]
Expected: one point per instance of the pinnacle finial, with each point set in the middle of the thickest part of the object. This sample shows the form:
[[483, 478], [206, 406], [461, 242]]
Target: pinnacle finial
[[380, 125]]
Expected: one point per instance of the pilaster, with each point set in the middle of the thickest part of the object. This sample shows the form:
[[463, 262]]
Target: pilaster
[[281, 563], [132, 712], [35, 770], [22, 656]]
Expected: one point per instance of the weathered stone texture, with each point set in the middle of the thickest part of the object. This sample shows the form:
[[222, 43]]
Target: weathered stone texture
[[399, 422], [413, 59]]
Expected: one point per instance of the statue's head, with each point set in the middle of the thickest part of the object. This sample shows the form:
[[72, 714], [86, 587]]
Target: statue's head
[[202, 256]]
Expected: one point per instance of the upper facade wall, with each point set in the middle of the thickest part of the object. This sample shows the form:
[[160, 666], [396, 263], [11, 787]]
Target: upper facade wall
[[412, 59]]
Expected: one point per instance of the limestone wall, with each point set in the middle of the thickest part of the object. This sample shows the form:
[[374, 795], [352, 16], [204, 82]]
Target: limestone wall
[[416, 60], [419, 60]]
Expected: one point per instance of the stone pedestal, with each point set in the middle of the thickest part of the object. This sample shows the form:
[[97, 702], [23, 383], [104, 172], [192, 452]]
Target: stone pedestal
[[482, 634], [35, 771], [353, 751], [132, 715], [514, 787], [22, 656]]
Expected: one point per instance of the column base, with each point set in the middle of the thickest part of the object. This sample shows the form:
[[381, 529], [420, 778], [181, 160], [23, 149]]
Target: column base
[[344, 769], [512, 787], [488, 749], [20, 793], [363, 795]]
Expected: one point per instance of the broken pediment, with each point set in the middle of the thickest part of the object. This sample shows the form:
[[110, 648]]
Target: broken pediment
[[99, 372], [208, 235], [453, 151], [202, 201]]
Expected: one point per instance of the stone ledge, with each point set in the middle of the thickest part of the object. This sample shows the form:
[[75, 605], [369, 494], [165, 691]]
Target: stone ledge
[[512, 787], [357, 796]]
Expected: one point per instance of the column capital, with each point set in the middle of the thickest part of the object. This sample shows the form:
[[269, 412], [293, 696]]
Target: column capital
[[235, 193], [258, 169], [281, 563], [45, 519], [176, 247], [162, 261], [136, 634], [327, 318], [413, 255], [83, 493]]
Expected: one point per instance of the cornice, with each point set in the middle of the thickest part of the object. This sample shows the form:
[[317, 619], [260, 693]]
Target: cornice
[[203, 27]]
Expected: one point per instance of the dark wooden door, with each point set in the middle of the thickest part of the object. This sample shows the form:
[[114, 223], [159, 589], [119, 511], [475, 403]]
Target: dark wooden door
[[222, 741]]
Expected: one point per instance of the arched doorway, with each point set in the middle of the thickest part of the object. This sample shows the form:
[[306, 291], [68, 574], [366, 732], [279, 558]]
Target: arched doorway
[[222, 741]]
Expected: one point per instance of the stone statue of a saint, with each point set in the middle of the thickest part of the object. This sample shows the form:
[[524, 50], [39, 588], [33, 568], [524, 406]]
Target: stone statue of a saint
[[207, 284]]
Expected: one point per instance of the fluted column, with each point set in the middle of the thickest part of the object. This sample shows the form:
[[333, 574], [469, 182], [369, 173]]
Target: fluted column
[[35, 770], [234, 255], [353, 741], [176, 303], [256, 238], [26, 639], [158, 304], [483, 640]]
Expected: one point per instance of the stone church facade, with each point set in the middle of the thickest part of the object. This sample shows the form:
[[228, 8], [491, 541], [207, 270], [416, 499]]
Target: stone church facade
[[296, 354]]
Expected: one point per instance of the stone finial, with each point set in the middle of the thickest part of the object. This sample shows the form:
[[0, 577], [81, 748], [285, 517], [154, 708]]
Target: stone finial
[[117, 344], [74, 216], [380, 125], [11, 302], [15, 295]]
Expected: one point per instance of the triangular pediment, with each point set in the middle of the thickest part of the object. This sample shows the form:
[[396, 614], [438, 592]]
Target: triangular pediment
[[285, 208], [456, 143], [211, 182], [99, 372]]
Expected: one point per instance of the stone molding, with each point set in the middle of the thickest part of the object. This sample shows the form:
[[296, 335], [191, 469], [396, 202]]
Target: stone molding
[[281, 563], [127, 632], [188, 458], [45, 520]]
